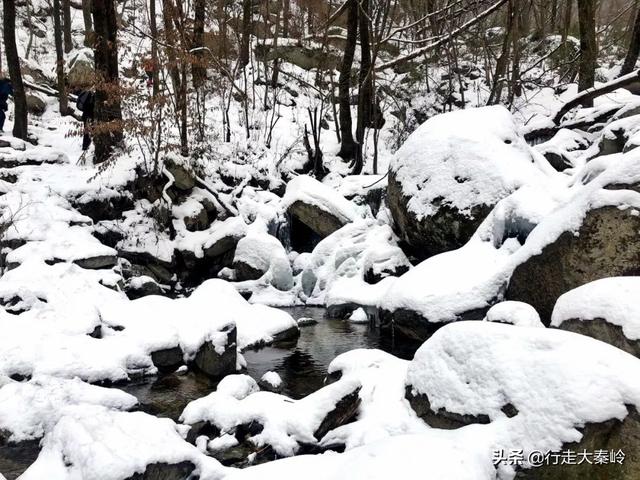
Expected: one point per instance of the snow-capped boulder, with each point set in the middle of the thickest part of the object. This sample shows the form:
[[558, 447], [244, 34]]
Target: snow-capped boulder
[[450, 173], [605, 245], [616, 136], [271, 382], [260, 253], [519, 314], [36, 105], [80, 69], [607, 309], [317, 206], [541, 390]]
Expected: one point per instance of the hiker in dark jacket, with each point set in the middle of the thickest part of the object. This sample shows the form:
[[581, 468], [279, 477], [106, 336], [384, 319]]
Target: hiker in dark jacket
[[6, 89], [86, 103]]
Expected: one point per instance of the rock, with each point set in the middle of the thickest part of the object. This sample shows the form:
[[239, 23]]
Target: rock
[[449, 174], [259, 254], [104, 208], [320, 221], [560, 150], [198, 221], [345, 410], [35, 104], [304, 57], [96, 263], [138, 287], [604, 331], [80, 69], [184, 179], [440, 418], [218, 365], [166, 471], [271, 382], [611, 436], [606, 245], [168, 359]]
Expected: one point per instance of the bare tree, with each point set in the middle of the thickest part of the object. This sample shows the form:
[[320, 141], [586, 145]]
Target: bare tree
[[66, 11], [13, 64], [57, 33], [634, 47], [88, 23], [348, 147]]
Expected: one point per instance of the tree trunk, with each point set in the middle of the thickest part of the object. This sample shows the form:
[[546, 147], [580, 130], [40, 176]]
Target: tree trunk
[[108, 112], [66, 9], [588, 46], [13, 64], [286, 14], [57, 33], [88, 23], [153, 27], [245, 40], [365, 80], [198, 70], [348, 147], [634, 48]]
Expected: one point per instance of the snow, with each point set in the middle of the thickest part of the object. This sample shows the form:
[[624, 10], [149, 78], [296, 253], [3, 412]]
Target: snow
[[29, 409], [272, 379], [237, 386], [463, 159], [359, 316], [90, 439], [286, 422], [308, 190], [614, 299], [557, 381], [515, 313]]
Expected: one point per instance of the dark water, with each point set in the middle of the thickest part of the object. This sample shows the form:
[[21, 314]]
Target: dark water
[[302, 365]]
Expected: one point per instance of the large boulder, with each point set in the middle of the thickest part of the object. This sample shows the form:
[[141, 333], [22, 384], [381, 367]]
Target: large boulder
[[450, 173], [607, 309], [35, 104], [80, 69], [605, 245], [542, 390], [317, 206], [260, 253]]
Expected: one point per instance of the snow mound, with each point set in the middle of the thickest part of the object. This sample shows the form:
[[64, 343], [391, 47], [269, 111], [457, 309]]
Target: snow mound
[[237, 386], [615, 299], [359, 316], [271, 379]]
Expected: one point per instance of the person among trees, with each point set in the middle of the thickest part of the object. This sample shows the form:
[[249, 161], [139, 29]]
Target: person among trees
[[6, 89], [86, 104]]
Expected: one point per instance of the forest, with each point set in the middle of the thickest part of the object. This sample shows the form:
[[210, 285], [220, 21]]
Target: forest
[[332, 239]]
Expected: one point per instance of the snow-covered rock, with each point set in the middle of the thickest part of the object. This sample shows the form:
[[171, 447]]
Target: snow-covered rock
[[451, 171], [607, 309], [359, 315], [519, 314], [563, 149], [539, 389], [259, 254], [271, 382], [317, 206]]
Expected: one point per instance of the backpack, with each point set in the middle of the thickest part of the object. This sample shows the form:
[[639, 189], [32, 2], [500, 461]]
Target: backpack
[[85, 98], [6, 88]]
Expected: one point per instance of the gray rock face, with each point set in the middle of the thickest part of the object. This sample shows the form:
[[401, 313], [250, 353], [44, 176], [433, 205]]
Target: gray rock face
[[167, 359], [95, 263], [604, 331], [606, 245], [320, 221], [197, 222], [447, 230], [440, 418], [81, 73], [183, 178], [218, 365]]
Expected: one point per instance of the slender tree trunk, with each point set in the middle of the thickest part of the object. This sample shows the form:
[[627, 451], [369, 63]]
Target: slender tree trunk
[[153, 27], [499, 76], [286, 14], [588, 46], [198, 71], [88, 23], [57, 33], [13, 64], [245, 40], [66, 10], [631, 59], [108, 111], [348, 147], [365, 92]]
